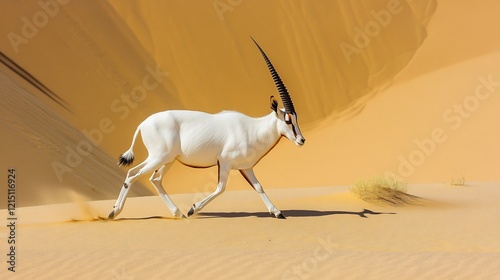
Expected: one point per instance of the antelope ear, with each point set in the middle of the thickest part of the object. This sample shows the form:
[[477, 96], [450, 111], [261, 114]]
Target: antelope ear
[[274, 104]]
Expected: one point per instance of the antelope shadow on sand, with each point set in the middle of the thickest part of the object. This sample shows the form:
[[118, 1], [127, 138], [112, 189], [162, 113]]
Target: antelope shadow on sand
[[292, 213]]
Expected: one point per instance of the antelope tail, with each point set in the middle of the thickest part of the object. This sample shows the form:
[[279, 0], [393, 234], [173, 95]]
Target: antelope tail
[[127, 158]]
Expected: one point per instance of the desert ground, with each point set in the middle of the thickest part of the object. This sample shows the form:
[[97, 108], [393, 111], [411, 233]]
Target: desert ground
[[450, 232], [404, 89]]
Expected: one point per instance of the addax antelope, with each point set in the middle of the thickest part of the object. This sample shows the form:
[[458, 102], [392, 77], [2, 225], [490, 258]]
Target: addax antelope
[[230, 140]]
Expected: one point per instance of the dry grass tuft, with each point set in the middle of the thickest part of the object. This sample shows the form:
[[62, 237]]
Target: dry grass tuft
[[458, 181], [384, 191]]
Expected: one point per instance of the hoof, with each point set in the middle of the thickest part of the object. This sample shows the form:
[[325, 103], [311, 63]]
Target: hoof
[[111, 215], [179, 215], [280, 216], [191, 212]]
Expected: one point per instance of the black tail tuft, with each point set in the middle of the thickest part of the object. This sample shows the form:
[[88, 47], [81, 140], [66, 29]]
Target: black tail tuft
[[126, 159]]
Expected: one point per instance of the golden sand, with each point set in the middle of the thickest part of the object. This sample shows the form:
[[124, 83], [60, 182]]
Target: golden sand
[[402, 88]]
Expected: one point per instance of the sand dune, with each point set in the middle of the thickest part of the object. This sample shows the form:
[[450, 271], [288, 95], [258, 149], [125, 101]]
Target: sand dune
[[405, 88], [379, 99], [200, 58]]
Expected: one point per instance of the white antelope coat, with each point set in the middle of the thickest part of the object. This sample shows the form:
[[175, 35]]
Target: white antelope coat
[[199, 139]]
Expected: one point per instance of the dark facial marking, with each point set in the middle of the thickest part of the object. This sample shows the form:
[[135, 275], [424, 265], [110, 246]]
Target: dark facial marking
[[289, 122], [294, 132]]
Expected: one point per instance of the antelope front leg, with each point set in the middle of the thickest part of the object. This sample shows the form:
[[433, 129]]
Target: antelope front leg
[[221, 186], [252, 180]]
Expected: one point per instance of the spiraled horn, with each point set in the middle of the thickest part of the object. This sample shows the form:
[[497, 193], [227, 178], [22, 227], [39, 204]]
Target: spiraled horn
[[285, 96]]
